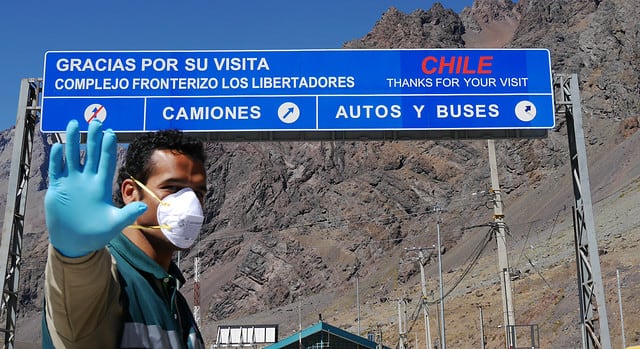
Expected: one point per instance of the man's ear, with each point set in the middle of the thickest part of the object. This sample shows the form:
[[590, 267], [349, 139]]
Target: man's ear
[[129, 191]]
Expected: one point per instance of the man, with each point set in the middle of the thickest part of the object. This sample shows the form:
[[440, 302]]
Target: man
[[110, 281]]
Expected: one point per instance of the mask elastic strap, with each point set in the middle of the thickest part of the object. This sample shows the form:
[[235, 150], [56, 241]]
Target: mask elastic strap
[[149, 191], [153, 195], [150, 226]]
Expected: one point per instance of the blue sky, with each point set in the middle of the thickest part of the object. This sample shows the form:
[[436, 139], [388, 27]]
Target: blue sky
[[29, 29]]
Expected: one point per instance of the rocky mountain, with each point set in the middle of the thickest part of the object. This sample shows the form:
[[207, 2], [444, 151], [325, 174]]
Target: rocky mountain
[[292, 226]]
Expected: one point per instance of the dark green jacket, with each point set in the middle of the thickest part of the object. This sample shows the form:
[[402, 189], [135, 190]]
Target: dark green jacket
[[135, 303]]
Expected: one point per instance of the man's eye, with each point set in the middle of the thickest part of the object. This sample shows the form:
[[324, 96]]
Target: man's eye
[[172, 188]]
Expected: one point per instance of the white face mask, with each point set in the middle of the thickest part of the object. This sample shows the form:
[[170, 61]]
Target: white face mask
[[179, 215]]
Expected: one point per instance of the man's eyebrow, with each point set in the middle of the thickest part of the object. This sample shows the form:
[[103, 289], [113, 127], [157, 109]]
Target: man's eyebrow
[[173, 180], [179, 181]]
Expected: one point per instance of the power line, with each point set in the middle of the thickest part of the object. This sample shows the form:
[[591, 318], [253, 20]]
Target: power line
[[473, 259], [524, 244]]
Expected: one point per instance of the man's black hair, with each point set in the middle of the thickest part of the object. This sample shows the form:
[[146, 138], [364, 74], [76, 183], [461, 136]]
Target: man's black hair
[[137, 160]]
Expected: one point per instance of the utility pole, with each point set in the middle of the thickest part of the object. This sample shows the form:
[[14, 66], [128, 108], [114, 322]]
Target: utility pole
[[178, 265], [402, 323], [425, 308], [358, 299], [503, 261], [196, 290], [438, 340], [443, 338], [196, 283], [624, 340], [299, 323], [482, 338]]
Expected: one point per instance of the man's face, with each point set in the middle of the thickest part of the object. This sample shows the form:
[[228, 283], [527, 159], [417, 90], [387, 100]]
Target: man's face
[[170, 172]]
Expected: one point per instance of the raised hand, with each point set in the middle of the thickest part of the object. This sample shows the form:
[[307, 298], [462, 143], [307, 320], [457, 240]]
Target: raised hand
[[79, 209]]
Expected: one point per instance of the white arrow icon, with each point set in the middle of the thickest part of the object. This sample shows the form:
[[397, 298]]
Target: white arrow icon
[[288, 112]]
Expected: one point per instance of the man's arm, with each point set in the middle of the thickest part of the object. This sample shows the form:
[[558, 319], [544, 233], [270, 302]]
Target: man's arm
[[81, 289], [82, 300]]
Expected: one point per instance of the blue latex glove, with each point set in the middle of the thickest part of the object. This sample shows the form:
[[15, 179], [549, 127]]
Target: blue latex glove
[[79, 209]]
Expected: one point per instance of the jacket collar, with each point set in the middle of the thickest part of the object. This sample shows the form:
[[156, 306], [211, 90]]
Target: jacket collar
[[139, 260]]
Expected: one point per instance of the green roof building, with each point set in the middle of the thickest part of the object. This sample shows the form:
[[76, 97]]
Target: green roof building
[[323, 335]]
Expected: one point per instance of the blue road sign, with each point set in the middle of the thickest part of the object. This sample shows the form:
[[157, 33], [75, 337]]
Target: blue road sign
[[300, 90]]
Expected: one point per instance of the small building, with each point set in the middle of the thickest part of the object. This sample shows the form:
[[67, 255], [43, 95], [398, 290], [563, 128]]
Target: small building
[[245, 336], [323, 335]]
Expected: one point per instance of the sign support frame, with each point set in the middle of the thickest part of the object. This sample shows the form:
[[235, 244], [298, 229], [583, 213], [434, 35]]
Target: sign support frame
[[567, 103]]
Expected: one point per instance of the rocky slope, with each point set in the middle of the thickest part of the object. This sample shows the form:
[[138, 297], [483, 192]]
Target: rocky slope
[[294, 224]]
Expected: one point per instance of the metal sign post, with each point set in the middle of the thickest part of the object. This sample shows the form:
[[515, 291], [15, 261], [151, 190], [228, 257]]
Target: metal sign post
[[593, 311], [13, 228]]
